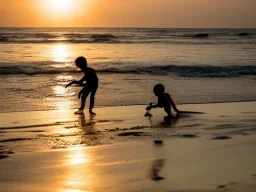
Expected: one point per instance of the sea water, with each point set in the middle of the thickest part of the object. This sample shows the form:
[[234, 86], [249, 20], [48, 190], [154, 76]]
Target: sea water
[[195, 65]]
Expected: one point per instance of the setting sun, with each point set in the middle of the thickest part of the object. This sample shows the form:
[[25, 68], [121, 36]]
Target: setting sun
[[61, 5], [61, 12]]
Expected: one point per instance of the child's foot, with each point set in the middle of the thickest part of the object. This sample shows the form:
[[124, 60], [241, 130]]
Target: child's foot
[[148, 114], [91, 112], [80, 111]]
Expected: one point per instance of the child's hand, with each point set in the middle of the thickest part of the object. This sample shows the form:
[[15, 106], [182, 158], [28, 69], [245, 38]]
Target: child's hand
[[72, 82]]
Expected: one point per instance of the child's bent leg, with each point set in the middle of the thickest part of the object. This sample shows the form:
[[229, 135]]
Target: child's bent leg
[[167, 109], [92, 99], [85, 93]]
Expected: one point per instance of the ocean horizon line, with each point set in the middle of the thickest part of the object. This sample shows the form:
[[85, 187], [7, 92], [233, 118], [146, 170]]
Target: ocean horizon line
[[206, 28]]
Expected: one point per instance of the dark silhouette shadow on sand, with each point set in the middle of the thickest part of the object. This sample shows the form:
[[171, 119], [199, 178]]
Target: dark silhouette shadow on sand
[[167, 122], [88, 135], [82, 121], [157, 166]]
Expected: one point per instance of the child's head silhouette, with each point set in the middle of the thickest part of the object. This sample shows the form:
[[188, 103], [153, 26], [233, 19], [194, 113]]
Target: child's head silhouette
[[81, 62], [159, 89]]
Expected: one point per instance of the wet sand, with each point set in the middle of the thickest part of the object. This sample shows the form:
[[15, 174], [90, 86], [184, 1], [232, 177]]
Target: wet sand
[[115, 150]]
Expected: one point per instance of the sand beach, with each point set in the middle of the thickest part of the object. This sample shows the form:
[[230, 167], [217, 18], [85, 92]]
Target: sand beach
[[115, 151]]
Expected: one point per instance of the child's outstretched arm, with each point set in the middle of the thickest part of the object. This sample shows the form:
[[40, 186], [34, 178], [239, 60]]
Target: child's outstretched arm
[[71, 83], [80, 82], [151, 106]]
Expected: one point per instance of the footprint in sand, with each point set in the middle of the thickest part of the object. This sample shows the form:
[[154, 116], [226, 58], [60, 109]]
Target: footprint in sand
[[221, 138], [221, 186], [130, 134], [35, 131], [227, 187], [190, 136], [14, 140], [3, 156]]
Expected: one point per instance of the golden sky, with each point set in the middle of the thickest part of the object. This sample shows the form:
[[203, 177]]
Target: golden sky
[[128, 13]]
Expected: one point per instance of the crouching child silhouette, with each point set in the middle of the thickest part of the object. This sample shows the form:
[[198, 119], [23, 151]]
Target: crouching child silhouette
[[164, 101], [90, 87]]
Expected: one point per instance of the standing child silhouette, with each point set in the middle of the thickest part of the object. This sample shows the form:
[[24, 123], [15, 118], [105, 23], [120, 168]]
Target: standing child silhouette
[[91, 85]]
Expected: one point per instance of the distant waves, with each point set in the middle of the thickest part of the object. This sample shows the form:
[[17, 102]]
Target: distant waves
[[125, 36], [56, 38]]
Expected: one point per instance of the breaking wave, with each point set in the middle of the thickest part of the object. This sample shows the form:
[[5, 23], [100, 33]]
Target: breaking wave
[[183, 71], [189, 71]]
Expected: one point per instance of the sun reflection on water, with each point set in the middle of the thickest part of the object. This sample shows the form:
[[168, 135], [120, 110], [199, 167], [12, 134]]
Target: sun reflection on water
[[61, 95], [78, 156], [77, 179], [59, 91], [60, 52], [63, 105], [64, 78]]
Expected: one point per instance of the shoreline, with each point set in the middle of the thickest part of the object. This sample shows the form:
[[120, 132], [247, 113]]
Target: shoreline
[[65, 129], [97, 107]]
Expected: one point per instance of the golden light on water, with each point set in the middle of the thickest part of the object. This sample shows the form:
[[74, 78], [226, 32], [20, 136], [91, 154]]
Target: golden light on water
[[78, 156], [61, 94], [65, 78], [78, 175], [59, 90], [63, 105], [60, 53]]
